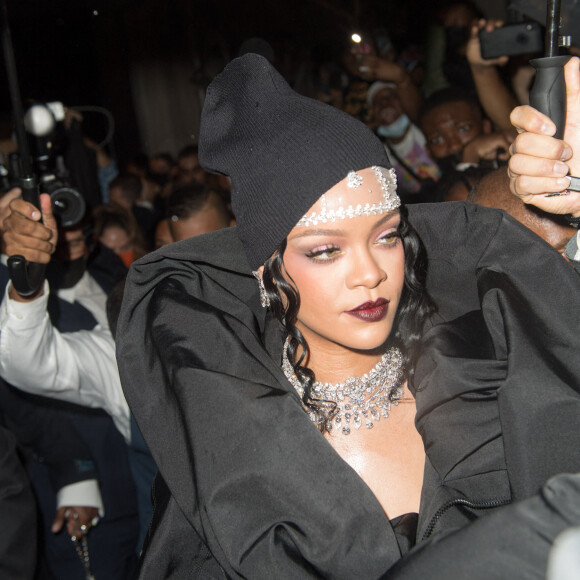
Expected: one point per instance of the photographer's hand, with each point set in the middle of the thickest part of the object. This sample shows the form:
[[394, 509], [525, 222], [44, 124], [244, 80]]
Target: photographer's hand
[[5, 202], [25, 235], [539, 162]]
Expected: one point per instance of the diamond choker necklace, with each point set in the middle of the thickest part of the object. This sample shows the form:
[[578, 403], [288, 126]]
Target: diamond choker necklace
[[358, 399]]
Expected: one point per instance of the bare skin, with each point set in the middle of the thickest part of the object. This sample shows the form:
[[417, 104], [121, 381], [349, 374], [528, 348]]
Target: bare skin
[[453, 128], [25, 235], [374, 68], [539, 162], [207, 220], [389, 458], [74, 518], [337, 267]]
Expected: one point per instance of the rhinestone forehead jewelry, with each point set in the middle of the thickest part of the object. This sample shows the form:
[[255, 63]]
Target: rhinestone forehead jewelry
[[388, 182], [358, 399]]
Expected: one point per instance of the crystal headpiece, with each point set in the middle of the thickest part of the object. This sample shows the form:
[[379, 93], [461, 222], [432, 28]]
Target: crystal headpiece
[[388, 182]]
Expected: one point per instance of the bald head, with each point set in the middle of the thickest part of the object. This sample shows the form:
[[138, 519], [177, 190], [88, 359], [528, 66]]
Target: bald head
[[493, 191]]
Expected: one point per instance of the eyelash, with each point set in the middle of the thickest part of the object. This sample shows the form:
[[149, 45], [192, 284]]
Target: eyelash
[[395, 235], [316, 254]]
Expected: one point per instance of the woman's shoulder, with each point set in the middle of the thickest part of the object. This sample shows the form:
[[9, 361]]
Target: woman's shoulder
[[452, 221], [221, 248]]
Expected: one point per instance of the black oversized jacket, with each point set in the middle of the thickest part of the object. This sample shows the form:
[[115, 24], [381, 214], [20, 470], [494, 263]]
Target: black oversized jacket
[[250, 488]]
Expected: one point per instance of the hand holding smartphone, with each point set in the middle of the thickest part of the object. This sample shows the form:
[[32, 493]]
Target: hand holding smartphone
[[511, 40]]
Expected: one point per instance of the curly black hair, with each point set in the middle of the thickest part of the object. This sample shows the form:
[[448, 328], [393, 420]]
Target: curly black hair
[[414, 309]]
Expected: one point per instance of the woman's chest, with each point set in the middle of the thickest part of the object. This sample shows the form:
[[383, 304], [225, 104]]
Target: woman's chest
[[389, 458]]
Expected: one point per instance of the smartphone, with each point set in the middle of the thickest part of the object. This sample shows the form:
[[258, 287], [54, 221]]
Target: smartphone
[[510, 40]]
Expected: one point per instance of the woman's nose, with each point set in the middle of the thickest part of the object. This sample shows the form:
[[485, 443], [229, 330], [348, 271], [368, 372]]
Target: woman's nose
[[365, 271]]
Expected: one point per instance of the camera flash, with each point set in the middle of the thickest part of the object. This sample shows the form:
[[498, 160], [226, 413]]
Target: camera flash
[[356, 38], [39, 121]]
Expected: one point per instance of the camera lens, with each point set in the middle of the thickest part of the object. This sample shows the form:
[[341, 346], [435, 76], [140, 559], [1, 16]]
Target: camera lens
[[68, 205]]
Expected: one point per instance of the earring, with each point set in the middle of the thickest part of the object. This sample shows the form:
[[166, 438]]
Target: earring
[[264, 300]]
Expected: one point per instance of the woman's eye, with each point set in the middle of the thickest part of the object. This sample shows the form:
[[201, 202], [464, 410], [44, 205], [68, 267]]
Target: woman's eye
[[464, 128], [324, 254], [389, 239], [438, 140]]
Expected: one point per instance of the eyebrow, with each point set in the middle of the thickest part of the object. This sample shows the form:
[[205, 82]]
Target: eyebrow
[[331, 232]]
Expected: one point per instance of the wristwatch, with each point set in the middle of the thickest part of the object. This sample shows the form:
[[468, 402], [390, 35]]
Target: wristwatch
[[574, 186], [574, 183]]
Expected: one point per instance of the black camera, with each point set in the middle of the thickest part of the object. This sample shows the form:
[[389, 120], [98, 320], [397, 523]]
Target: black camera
[[68, 205], [40, 121]]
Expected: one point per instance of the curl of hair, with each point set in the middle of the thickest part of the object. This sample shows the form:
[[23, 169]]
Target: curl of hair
[[414, 308], [415, 305], [278, 283]]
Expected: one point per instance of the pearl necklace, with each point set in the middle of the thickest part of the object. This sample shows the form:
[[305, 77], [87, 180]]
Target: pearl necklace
[[358, 399]]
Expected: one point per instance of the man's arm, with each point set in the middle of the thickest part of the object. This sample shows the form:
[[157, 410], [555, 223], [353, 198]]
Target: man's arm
[[47, 431], [374, 68], [494, 96], [78, 367]]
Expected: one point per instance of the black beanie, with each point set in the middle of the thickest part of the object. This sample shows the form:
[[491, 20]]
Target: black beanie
[[281, 150]]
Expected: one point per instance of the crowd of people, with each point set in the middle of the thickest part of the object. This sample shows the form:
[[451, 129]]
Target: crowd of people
[[226, 343]]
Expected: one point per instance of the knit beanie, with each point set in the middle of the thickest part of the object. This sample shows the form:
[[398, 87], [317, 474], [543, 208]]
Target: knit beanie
[[281, 150]]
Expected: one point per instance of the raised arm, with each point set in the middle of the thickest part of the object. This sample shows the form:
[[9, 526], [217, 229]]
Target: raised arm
[[374, 68], [494, 96], [77, 367]]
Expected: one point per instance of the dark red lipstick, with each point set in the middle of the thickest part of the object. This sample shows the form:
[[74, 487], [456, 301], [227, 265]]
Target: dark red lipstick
[[371, 311]]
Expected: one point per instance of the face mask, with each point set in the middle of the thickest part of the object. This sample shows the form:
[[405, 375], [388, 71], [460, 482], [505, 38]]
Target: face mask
[[128, 257], [65, 274], [395, 130]]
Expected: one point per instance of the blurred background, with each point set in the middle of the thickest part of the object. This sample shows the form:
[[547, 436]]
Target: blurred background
[[149, 61]]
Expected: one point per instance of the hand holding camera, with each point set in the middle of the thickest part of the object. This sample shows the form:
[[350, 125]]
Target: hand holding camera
[[25, 235], [539, 162]]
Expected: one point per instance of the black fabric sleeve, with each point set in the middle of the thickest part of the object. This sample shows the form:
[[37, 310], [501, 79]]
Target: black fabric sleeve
[[529, 296], [513, 542], [47, 431], [17, 514], [247, 468]]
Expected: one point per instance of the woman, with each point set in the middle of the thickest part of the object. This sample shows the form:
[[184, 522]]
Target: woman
[[224, 389], [117, 229]]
